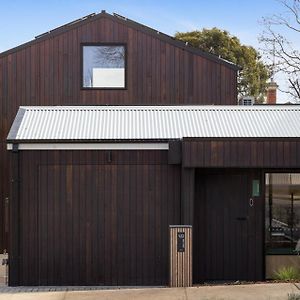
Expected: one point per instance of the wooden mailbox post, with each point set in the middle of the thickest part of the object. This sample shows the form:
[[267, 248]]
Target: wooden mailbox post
[[180, 256]]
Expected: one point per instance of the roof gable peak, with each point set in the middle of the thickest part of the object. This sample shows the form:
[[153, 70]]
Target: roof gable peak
[[127, 22]]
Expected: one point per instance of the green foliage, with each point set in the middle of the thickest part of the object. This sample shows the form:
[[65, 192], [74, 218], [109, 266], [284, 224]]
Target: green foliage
[[252, 78], [287, 273], [293, 296]]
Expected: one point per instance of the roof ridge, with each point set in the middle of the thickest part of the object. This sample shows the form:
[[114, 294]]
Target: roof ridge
[[164, 108], [138, 26]]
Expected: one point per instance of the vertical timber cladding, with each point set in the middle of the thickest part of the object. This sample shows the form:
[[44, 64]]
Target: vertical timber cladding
[[280, 153], [47, 72], [88, 222]]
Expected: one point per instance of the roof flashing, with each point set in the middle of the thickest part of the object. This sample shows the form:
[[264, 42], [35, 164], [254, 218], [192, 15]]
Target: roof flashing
[[65, 25], [124, 20], [12, 135]]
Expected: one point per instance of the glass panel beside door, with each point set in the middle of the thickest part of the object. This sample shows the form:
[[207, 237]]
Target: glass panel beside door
[[282, 213]]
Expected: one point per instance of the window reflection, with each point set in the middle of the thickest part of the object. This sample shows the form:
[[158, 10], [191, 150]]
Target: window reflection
[[104, 66], [282, 213]]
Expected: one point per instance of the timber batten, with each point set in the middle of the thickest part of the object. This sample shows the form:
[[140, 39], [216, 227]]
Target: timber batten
[[181, 263]]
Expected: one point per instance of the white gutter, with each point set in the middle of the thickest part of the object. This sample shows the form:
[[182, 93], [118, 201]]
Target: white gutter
[[91, 146]]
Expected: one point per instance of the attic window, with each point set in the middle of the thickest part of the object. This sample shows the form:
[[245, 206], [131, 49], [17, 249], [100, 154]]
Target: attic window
[[103, 66]]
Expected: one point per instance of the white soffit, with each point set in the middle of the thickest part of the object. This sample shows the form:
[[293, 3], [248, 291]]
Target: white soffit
[[90, 146]]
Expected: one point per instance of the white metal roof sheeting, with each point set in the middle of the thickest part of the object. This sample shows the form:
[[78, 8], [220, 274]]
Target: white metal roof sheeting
[[155, 122]]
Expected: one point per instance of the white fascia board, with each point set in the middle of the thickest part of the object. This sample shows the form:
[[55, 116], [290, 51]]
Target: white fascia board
[[91, 146]]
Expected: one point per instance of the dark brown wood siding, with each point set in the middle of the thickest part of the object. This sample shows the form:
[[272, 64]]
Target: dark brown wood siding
[[85, 221], [5, 195], [48, 73], [228, 231], [244, 153]]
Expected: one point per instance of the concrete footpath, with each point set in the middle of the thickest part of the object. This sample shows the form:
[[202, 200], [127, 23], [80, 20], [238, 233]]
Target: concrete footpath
[[278, 291], [2, 270]]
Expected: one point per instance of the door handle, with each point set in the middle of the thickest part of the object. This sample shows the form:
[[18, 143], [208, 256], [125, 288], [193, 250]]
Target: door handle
[[251, 202]]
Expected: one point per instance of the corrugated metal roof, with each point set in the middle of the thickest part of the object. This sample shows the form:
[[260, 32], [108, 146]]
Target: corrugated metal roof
[[154, 122]]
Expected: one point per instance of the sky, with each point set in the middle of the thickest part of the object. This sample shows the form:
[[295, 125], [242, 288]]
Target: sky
[[21, 21]]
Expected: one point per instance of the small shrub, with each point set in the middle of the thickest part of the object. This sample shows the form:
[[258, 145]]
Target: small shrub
[[293, 296], [287, 273]]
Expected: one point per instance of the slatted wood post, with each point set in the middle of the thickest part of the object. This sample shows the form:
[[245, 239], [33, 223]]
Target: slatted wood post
[[180, 256]]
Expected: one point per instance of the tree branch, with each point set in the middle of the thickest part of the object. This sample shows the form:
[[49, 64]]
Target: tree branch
[[295, 9]]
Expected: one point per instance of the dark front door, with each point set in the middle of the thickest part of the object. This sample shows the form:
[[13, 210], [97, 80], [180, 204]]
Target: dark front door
[[228, 228]]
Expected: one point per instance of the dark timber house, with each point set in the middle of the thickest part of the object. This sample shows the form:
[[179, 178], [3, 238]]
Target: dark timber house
[[118, 131]]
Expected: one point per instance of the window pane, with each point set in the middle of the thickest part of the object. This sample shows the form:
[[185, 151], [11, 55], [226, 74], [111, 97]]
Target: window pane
[[282, 213], [104, 66]]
